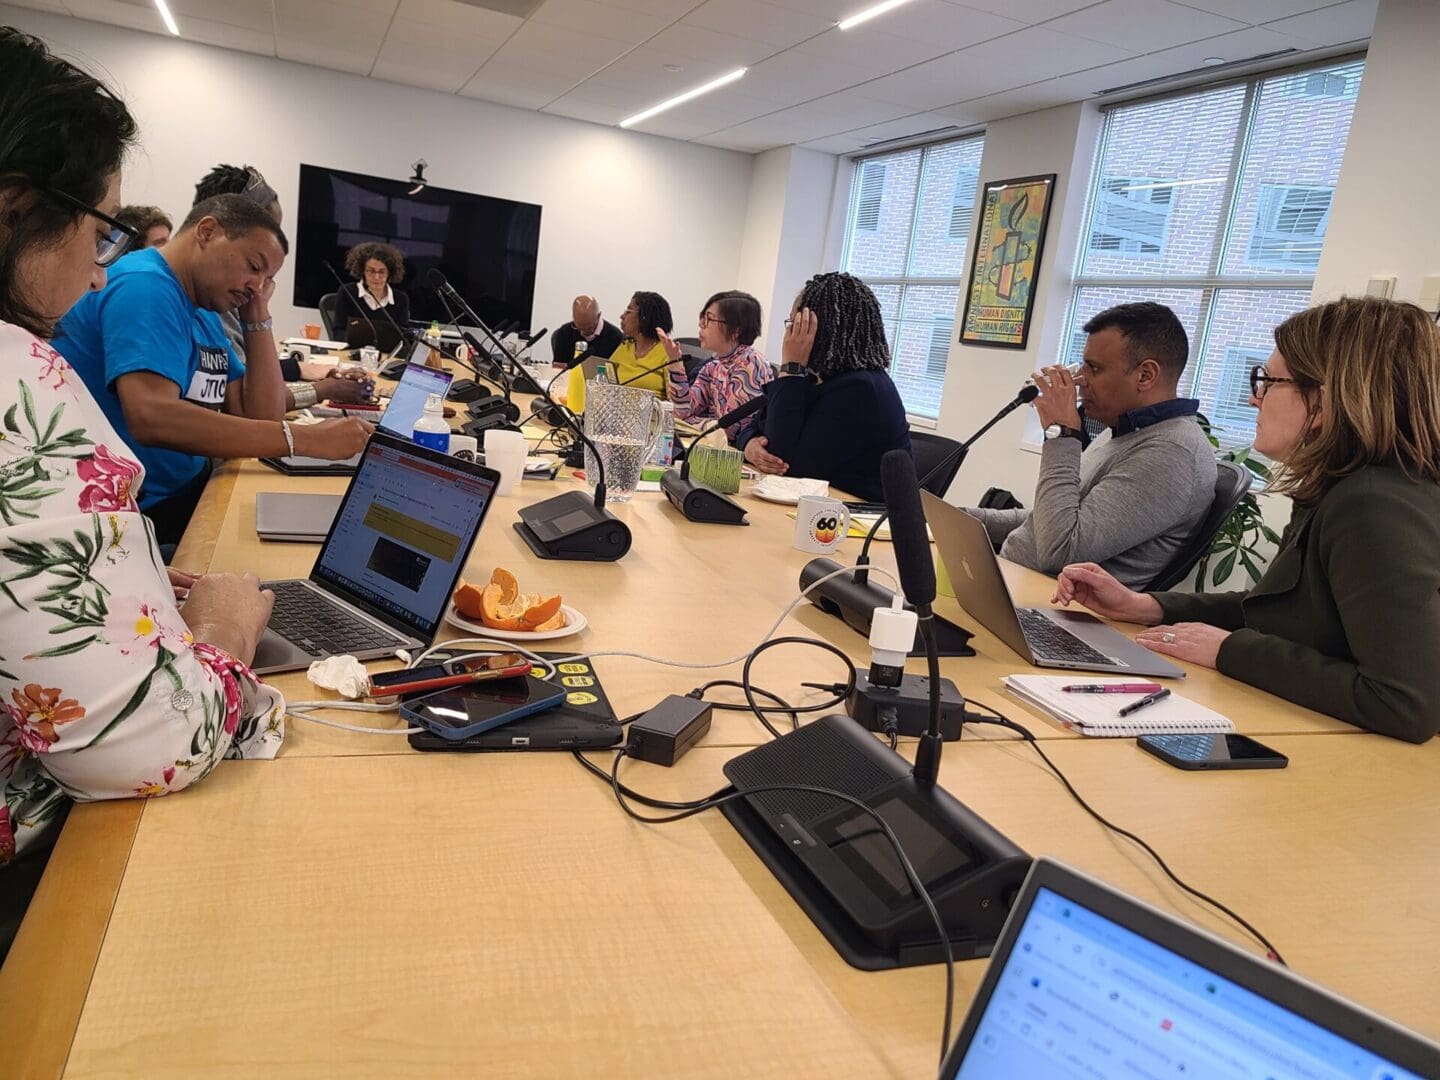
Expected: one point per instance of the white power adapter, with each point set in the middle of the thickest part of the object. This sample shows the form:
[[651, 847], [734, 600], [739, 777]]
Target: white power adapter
[[892, 636]]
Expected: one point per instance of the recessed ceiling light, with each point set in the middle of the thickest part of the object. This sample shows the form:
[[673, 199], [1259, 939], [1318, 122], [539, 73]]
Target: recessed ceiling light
[[680, 99], [870, 13], [164, 10], [1213, 61]]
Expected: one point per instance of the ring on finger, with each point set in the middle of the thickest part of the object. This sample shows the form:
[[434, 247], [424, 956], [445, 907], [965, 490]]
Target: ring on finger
[[1168, 639]]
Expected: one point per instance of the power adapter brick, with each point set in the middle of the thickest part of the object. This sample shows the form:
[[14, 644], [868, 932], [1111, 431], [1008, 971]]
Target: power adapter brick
[[663, 734]]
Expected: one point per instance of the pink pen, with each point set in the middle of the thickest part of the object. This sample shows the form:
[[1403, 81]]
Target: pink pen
[[1112, 688]]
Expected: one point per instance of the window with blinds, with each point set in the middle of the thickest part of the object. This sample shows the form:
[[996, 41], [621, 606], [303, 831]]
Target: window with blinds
[[910, 224], [1216, 202]]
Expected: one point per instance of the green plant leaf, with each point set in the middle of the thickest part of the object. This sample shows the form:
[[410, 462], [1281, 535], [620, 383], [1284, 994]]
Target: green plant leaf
[[1223, 569], [10, 424], [27, 402]]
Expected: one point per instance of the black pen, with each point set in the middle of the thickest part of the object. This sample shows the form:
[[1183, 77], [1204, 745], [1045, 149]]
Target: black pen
[[1148, 699]]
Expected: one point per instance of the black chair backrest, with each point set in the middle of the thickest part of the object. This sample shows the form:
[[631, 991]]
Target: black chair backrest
[[327, 316], [930, 449], [1232, 481]]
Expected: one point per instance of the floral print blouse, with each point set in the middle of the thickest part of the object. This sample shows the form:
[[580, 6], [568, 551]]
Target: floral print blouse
[[103, 692]]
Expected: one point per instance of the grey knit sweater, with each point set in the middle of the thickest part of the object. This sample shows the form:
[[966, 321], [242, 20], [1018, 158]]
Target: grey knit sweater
[[1129, 503]]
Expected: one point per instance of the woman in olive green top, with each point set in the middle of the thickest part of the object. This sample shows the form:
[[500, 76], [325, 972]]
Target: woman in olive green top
[[1346, 619]]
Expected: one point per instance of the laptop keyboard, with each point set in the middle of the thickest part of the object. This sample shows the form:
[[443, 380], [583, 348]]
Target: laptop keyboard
[[1053, 642], [308, 621]]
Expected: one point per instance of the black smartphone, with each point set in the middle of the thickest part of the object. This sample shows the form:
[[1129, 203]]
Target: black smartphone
[[1213, 752]]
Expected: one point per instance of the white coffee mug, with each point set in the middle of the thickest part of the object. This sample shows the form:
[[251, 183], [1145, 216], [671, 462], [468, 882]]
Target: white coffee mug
[[464, 447], [820, 523], [505, 452]]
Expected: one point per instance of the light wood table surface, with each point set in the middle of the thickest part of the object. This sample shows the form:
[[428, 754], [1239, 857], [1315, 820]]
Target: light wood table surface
[[346, 890]]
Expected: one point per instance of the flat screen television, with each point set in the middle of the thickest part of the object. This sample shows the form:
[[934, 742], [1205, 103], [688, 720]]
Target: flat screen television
[[486, 247]]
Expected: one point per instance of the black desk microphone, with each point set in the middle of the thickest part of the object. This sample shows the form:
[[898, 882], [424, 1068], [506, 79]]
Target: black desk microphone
[[696, 501]]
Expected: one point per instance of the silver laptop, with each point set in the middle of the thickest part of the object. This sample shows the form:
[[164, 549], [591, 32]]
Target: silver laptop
[[1047, 637], [1086, 981], [391, 559], [302, 518]]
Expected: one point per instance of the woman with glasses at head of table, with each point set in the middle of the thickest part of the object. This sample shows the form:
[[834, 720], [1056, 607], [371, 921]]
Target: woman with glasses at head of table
[[1346, 618], [110, 687]]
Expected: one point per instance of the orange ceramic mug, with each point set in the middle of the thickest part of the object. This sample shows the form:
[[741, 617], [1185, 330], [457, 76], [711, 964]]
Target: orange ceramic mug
[[312, 331]]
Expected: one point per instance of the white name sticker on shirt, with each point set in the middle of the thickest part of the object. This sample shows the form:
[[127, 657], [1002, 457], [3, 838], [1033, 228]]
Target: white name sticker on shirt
[[207, 385]]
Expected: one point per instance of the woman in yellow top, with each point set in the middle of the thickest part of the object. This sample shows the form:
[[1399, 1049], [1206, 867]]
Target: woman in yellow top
[[640, 360]]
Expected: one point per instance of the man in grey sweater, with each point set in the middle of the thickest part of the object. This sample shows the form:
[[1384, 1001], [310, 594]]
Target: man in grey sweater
[[1142, 489]]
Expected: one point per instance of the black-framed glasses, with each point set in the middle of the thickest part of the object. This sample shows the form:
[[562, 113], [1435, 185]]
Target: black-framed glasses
[[1261, 381], [706, 319], [120, 239]]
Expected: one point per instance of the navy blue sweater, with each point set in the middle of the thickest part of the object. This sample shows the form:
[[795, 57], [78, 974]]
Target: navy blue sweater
[[836, 430]]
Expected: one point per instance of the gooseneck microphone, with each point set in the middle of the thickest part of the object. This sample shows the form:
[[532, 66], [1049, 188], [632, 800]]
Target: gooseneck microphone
[[911, 541], [697, 501], [1028, 393]]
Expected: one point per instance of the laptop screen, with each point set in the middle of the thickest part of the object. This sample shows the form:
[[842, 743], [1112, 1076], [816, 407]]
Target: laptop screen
[[407, 403], [403, 533], [1082, 995]]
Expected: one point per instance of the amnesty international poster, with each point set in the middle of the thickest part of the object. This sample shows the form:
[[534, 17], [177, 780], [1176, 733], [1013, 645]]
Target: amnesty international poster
[[1011, 236]]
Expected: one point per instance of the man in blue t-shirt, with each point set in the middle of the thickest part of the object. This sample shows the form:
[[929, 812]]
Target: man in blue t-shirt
[[153, 352]]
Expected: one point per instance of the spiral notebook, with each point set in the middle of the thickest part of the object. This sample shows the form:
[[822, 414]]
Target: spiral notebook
[[1098, 714]]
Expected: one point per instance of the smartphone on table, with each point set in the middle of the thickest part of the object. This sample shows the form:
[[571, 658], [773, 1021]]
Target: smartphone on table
[[1212, 752], [463, 711], [447, 673]]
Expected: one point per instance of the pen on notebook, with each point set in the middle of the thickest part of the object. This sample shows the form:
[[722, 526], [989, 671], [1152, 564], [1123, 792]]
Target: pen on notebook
[[1112, 688], [1148, 699]]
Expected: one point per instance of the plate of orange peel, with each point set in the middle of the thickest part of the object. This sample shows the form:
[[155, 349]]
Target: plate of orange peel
[[499, 609]]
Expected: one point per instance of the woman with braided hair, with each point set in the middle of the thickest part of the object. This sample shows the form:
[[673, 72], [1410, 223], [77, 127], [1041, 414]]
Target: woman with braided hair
[[834, 412]]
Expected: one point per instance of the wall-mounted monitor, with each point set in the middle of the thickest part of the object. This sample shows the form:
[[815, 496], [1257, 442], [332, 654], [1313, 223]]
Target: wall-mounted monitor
[[486, 247]]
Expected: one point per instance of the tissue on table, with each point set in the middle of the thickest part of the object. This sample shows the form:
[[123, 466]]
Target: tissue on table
[[343, 674]]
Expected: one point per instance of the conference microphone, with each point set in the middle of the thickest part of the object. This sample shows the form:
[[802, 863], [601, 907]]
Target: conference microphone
[[696, 501]]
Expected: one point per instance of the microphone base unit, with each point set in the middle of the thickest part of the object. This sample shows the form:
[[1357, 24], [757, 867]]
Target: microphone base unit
[[493, 404], [700, 503], [911, 702], [491, 421], [571, 527], [855, 604], [844, 875]]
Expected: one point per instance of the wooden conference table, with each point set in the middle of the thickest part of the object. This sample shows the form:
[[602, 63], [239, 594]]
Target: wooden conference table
[[356, 908]]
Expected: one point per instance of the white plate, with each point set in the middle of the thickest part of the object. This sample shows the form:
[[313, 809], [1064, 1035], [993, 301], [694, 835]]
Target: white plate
[[787, 490], [574, 623]]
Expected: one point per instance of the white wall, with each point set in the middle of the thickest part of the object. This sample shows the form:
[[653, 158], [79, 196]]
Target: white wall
[[792, 200], [622, 211], [978, 381], [1383, 220]]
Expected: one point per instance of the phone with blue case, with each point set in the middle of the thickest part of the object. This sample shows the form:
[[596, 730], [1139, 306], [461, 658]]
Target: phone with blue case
[[459, 712]]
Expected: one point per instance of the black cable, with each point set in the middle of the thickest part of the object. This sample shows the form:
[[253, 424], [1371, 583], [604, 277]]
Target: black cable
[[770, 644], [890, 725], [914, 878], [781, 705], [1000, 720], [658, 804]]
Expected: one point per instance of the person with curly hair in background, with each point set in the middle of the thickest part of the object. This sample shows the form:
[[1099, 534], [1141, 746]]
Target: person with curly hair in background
[[376, 268], [152, 223]]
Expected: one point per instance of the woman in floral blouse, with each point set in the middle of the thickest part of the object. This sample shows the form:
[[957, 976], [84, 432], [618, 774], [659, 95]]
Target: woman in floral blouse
[[729, 325], [109, 689]]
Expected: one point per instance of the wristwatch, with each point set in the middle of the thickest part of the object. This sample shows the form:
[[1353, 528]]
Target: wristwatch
[[256, 327], [793, 368], [1060, 431]]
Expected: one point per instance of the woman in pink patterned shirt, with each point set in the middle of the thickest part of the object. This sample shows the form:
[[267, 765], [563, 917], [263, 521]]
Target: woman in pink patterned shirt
[[729, 325]]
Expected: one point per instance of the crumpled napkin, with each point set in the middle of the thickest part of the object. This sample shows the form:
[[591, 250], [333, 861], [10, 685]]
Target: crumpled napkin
[[343, 674]]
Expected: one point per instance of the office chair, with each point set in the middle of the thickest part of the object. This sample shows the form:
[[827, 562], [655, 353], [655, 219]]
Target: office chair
[[327, 316], [1232, 481], [930, 449]]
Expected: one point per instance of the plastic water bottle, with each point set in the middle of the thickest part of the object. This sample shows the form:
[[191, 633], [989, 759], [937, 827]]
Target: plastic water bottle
[[664, 452], [602, 373], [431, 430]]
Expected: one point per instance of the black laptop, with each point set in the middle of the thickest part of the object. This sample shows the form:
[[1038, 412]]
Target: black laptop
[[1086, 981], [389, 563]]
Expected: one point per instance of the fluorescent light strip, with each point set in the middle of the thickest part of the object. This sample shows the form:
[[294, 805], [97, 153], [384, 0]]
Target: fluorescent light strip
[[164, 9], [679, 99], [870, 13]]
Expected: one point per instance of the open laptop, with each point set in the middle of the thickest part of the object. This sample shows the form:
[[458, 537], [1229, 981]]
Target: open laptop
[[1086, 981], [389, 563], [407, 403], [1046, 637], [378, 332]]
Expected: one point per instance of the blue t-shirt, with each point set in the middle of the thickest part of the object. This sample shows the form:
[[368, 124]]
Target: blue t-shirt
[[143, 320]]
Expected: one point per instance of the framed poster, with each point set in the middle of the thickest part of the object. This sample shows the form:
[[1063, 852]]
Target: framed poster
[[1001, 295]]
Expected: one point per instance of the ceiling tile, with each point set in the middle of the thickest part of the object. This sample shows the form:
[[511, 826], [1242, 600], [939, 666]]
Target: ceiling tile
[[760, 21], [529, 81], [503, 91], [1028, 11], [1336, 25], [1257, 11], [567, 55], [309, 46], [41, 5], [428, 67], [251, 14], [905, 128], [240, 38], [793, 77], [593, 111], [871, 53], [118, 13], [939, 23], [603, 20], [1239, 45], [333, 11], [669, 10], [834, 144], [442, 19], [687, 44], [746, 144], [1143, 25]]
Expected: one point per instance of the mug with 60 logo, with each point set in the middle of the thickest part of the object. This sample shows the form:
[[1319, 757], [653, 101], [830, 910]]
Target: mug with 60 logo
[[820, 523]]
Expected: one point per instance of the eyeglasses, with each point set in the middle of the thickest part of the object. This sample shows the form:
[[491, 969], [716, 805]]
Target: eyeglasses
[[107, 248], [376, 271], [706, 319], [1261, 381]]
